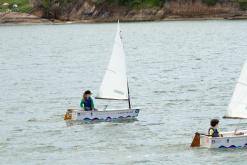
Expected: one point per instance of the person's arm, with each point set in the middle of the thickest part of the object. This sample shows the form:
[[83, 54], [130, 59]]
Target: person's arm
[[82, 103], [220, 134], [92, 103]]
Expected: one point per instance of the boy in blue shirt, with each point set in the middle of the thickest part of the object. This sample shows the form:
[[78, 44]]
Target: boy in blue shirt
[[87, 102]]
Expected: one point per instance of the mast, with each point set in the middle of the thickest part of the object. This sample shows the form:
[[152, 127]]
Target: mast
[[128, 94]]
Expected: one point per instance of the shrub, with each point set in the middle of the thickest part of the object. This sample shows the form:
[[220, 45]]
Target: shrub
[[138, 3], [243, 4], [210, 2], [22, 6]]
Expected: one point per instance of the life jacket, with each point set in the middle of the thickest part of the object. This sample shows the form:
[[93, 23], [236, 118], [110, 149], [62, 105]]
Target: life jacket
[[215, 132], [87, 104]]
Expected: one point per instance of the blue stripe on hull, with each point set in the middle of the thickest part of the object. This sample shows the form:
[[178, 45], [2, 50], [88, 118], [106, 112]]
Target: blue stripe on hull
[[232, 146], [107, 119]]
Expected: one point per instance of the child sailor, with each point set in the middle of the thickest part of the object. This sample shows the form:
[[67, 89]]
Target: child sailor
[[87, 102], [214, 129]]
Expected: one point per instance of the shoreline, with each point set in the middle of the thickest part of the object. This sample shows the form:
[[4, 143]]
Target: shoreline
[[14, 18]]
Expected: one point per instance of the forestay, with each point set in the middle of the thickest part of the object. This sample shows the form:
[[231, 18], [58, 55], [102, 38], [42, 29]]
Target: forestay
[[114, 85], [238, 104]]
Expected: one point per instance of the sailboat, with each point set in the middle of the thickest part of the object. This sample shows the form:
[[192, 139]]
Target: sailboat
[[113, 87], [237, 109]]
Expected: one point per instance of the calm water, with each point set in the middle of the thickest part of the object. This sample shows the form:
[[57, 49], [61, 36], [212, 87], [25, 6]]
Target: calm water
[[181, 74]]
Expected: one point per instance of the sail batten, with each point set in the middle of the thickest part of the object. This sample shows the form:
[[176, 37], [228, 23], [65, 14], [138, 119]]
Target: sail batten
[[114, 84], [108, 98], [238, 104]]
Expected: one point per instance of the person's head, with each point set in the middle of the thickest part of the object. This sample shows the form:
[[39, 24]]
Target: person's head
[[214, 123], [87, 94]]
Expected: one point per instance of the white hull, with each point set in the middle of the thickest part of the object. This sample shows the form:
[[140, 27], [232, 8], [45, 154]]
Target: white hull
[[107, 115], [229, 140]]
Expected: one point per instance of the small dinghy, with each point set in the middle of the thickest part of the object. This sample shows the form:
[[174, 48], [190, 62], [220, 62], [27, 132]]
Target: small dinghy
[[237, 109], [114, 87]]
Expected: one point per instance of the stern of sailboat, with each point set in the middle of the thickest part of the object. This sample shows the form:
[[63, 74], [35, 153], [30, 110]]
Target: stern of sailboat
[[68, 114], [196, 140]]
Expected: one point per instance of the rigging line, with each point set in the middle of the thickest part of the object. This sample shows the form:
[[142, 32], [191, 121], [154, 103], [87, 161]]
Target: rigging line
[[238, 125], [128, 95]]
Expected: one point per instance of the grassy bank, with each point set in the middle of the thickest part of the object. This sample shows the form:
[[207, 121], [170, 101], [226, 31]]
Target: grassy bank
[[15, 6]]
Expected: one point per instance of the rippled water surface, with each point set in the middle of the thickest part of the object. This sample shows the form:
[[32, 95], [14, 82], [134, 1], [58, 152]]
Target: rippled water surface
[[181, 74]]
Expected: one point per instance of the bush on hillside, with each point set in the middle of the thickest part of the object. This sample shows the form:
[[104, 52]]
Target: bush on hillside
[[137, 3], [22, 6], [243, 4], [210, 2]]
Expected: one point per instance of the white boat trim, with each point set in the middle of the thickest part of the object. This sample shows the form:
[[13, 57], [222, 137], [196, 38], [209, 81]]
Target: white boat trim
[[107, 115], [229, 140]]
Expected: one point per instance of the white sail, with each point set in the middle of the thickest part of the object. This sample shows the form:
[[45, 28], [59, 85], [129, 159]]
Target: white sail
[[114, 85], [238, 104]]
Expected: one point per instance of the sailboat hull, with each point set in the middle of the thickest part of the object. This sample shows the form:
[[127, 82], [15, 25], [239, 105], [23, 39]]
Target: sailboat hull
[[229, 140], [107, 115]]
